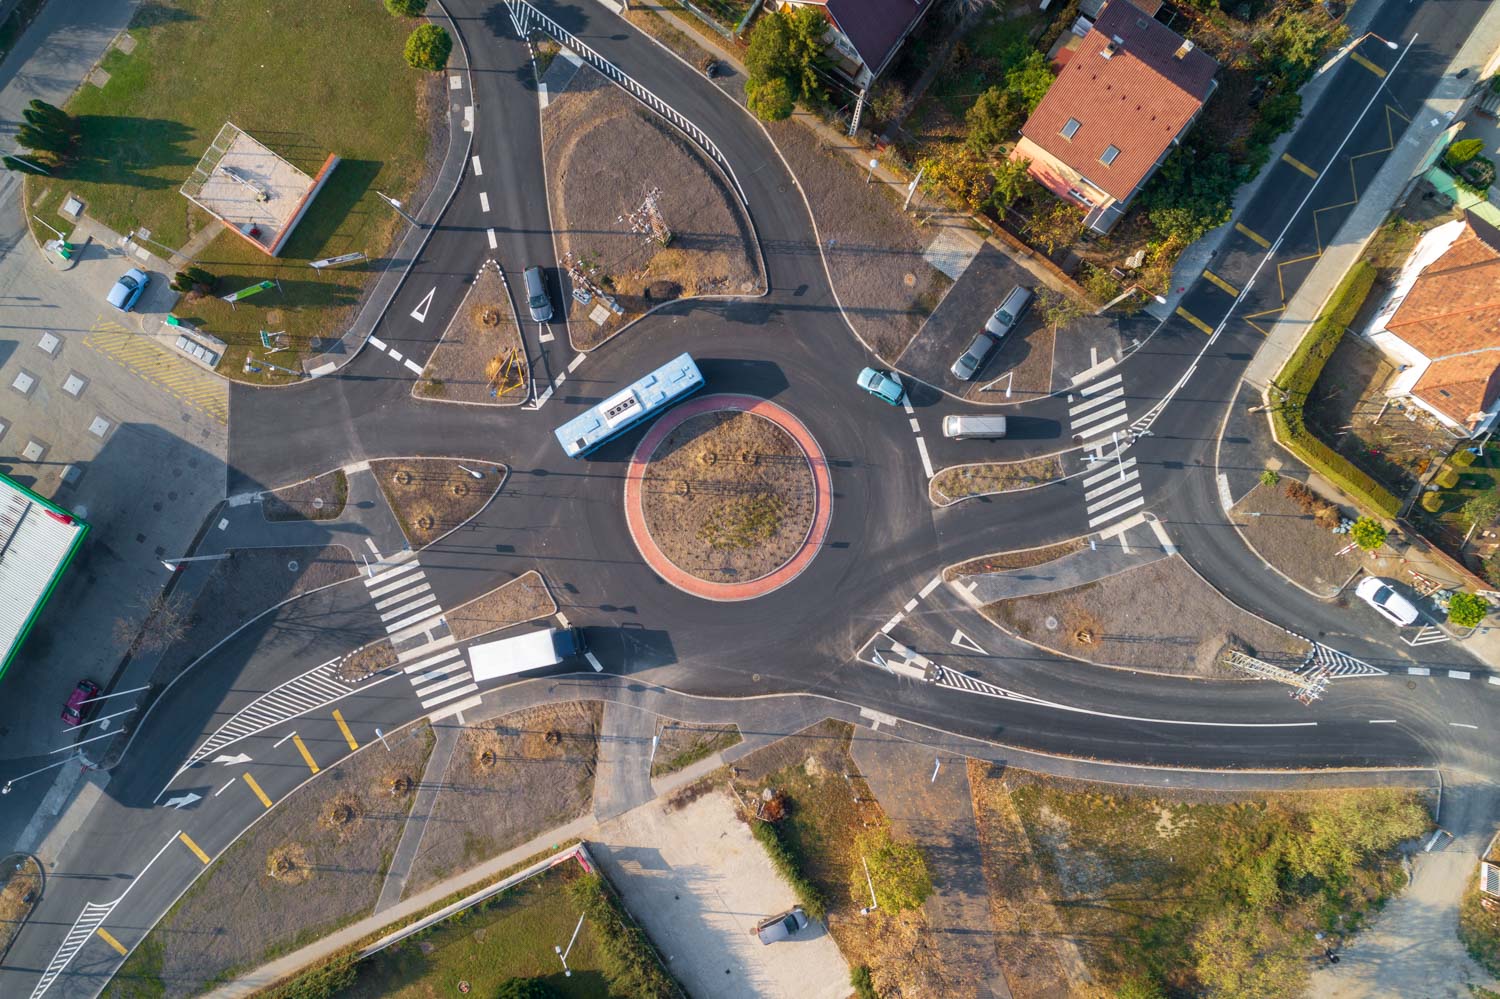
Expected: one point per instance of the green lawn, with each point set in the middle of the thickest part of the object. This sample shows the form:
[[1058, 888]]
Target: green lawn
[[305, 79], [511, 935]]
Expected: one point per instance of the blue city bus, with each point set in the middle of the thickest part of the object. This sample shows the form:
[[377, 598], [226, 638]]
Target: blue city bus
[[660, 390]]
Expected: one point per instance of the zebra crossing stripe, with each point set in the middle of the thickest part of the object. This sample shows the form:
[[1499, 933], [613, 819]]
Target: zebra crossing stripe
[[1118, 493], [443, 685], [388, 601], [1114, 470], [417, 604], [416, 666], [384, 588], [1101, 385], [1099, 414], [1098, 400], [1118, 511], [450, 695]]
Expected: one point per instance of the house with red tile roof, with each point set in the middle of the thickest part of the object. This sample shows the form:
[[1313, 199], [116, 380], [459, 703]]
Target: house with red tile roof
[[865, 35], [1440, 326], [1130, 91]]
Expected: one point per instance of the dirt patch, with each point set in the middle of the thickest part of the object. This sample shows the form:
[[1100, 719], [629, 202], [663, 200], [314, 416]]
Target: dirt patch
[[363, 663], [320, 498], [874, 252], [1033, 374], [1023, 559], [728, 497], [524, 598], [683, 744], [481, 358], [308, 868], [1296, 541], [1035, 953], [961, 481], [432, 496], [605, 154], [20, 888], [244, 586], [1160, 617], [509, 780]]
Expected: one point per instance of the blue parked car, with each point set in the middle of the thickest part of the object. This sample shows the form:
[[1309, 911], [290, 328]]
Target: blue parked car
[[128, 290], [883, 385]]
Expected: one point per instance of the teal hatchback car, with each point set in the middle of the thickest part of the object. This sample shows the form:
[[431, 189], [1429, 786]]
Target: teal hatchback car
[[883, 385]]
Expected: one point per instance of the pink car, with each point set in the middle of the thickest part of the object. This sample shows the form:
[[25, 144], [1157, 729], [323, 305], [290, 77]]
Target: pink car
[[75, 709]]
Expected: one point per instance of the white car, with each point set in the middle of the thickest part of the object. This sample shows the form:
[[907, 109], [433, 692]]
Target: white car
[[1392, 606]]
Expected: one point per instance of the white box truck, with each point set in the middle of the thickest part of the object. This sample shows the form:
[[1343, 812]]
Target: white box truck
[[519, 653]]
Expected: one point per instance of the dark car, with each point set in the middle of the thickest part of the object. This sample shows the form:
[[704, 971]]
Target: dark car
[[972, 360], [782, 927], [74, 711]]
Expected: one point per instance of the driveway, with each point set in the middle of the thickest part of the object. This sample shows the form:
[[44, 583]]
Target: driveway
[[699, 882]]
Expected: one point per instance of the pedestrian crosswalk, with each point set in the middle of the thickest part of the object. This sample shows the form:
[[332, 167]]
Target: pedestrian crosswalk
[[1099, 413], [1112, 488], [425, 649], [1426, 635], [1112, 491]]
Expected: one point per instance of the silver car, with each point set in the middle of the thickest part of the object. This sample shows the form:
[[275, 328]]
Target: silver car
[[782, 927], [972, 360]]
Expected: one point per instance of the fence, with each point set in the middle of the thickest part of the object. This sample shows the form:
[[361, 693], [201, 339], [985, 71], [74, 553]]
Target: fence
[[525, 17]]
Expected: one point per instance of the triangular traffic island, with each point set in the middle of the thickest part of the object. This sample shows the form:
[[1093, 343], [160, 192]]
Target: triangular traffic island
[[481, 360]]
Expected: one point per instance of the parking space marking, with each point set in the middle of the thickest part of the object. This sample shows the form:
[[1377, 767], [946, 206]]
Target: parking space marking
[[1251, 234], [1292, 161], [187, 841], [1367, 64], [306, 756], [344, 728], [151, 363], [1204, 327], [264, 799], [1220, 283], [108, 938]]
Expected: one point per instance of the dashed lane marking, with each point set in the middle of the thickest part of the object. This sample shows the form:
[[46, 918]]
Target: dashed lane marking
[[1418, 671], [143, 357], [1292, 161], [344, 728], [306, 756], [187, 841], [379, 343], [1220, 283], [108, 938], [1367, 64], [926, 458], [413, 365], [264, 799], [225, 787], [1250, 233], [1184, 313], [396, 355], [915, 426], [490, 235], [484, 201], [478, 170], [576, 361], [932, 584]]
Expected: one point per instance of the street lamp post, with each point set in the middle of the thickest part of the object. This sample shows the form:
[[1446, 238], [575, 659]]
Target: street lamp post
[[399, 210], [1350, 48], [7, 788], [173, 564], [563, 954], [866, 910]]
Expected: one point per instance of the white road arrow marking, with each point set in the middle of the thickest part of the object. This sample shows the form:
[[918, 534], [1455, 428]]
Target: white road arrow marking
[[230, 761], [420, 312], [965, 642], [183, 799]]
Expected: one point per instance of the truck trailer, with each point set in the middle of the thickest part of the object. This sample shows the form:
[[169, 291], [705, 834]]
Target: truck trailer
[[519, 653]]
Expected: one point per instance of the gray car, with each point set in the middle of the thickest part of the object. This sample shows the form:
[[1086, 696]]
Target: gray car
[[537, 299], [972, 360], [782, 927]]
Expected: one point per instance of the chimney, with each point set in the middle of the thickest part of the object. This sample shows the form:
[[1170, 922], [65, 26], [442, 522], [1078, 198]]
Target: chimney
[[1115, 44], [1183, 50]]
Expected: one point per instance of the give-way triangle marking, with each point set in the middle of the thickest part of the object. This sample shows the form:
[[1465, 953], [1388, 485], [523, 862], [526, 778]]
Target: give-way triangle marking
[[420, 312], [965, 642]]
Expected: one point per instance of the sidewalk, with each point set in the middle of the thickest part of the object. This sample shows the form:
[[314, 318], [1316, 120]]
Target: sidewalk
[[1400, 167]]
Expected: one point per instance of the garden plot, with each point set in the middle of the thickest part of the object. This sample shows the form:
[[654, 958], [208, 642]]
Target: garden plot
[[605, 156], [1160, 617]]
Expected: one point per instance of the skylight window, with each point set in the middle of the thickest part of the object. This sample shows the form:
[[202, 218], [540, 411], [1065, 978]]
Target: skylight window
[[1109, 154], [1071, 128]]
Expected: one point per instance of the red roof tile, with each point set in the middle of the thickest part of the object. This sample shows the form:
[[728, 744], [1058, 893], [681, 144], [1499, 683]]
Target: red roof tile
[[1137, 99]]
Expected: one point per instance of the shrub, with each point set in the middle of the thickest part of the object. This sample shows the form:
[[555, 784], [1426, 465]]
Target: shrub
[[1491, 569], [1270, 477], [1011, 181], [1466, 610], [859, 977], [898, 872], [320, 983], [194, 279], [789, 866], [428, 47], [1482, 509], [524, 988], [629, 958], [788, 46], [770, 100], [1368, 533], [1140, 987], [1432, 502], [1462, 458], [1447, 478], [406, 8], [1463, 151], [992, 119]]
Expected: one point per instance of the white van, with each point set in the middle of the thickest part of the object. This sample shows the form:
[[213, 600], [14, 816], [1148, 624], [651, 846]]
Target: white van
[[962, 427]]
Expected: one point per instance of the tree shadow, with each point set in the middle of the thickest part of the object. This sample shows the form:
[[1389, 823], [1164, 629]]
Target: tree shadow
[[118, 149]]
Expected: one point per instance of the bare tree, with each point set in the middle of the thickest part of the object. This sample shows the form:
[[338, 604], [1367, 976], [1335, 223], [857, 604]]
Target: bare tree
[[166, 624]]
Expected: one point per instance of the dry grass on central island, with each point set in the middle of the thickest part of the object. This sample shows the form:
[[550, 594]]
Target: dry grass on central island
[[603, 153], [480, 360], [728, 497]]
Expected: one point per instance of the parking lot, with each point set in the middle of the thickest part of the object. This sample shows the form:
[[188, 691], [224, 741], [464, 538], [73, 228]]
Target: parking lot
[[115, 427], [699, 882]]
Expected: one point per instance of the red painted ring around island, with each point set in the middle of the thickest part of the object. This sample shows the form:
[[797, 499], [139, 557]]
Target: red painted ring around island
[[635, 516]]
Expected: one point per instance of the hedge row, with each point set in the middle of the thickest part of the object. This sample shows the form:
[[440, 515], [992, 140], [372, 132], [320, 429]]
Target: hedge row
[[631, 963], [786, 863], [1300, 374]]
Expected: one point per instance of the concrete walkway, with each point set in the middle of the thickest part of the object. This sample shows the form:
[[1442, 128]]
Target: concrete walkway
[[1412, 947], [445, 742], [622, 780], [1086, 566], [937, 813]]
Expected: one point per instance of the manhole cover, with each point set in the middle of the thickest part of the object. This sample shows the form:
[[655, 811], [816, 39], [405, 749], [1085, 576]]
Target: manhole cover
[[1051, 623], [317, 502], [291, 566]]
